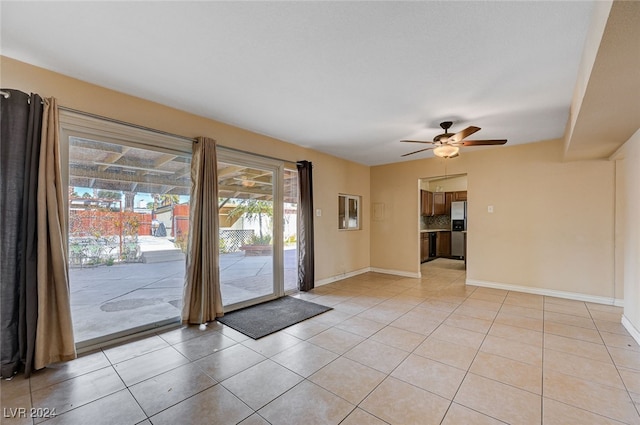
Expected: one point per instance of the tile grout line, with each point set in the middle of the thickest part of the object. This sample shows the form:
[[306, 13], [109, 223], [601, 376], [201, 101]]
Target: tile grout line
[[112, 365], [128, 387], [357, 406], [614, 364], [582, 378], [388, 375], [473, 360], [402, 361]]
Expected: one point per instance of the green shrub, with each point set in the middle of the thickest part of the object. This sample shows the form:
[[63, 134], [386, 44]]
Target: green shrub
[[257, 240]]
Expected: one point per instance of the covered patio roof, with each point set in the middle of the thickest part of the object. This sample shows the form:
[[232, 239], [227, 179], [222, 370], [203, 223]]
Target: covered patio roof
[[113, 167]]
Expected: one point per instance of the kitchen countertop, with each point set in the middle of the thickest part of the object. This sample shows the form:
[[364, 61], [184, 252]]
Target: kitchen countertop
[[434, 230]]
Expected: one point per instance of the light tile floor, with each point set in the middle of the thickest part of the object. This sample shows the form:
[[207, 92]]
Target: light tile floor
[[394, 350]]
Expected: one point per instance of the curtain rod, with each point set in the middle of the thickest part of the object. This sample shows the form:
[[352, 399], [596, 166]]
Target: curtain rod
[[6, 95], [141, 127]]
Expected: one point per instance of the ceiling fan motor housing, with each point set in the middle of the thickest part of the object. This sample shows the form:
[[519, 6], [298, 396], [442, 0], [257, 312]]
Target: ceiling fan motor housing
[[446, 125], [442, 138]]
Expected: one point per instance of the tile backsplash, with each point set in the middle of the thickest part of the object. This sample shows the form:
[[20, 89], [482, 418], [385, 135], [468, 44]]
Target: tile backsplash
[[436, 222]]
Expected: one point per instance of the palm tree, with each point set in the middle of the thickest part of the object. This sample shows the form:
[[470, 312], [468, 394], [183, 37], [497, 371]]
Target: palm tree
[[164, 199], [252, 209]]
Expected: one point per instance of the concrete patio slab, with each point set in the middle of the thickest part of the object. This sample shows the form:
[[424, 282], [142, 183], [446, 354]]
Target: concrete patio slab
[[110, 299]]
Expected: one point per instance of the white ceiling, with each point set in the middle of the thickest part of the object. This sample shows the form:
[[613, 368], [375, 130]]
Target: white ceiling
[[348, 78]]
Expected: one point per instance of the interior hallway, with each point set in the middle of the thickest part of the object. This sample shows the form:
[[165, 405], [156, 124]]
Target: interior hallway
[[394, 350]]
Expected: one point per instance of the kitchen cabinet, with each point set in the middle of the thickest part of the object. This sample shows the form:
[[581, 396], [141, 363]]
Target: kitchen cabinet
[[448, 198], [426, 201], [435, 245], [439, 203], [460, 195], [433, 203], [424, 247], [428, 246], [444, 244]]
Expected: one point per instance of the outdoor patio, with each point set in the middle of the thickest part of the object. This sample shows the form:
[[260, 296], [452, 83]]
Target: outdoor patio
[[110, 299]]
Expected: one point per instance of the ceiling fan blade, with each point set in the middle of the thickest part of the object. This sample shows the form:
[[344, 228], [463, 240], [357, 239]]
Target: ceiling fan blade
[[484, 142], [463, 134], [416, 141], [421, 150]]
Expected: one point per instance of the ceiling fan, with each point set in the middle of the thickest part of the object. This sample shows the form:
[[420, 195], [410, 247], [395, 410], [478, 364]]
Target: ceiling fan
[[447, 145]]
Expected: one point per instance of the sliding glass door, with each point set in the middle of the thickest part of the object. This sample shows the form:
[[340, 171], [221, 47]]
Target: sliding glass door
[[250, 200], [128, 219], [128, 214]]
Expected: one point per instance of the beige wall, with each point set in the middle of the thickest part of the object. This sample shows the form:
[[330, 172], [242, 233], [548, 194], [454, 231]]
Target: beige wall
[[451, 184], [628, 229], [336, 252], [552, 227]]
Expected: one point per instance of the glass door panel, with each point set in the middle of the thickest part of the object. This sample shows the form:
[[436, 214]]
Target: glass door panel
[[128, 227], [290, 209], [247, 212]]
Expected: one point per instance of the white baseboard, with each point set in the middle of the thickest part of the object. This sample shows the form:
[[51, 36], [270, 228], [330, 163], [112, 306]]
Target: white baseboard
[[632, 329], [396, 272], [548, 292], [365, 270], [341, 276]]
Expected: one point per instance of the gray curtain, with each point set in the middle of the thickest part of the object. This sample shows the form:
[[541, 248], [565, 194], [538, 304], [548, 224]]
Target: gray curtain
[[36, 327], [306, 273], [21, 123], [202, 300]]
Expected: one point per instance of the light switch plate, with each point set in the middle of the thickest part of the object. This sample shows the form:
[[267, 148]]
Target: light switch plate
[[490, 209], [318, 212]]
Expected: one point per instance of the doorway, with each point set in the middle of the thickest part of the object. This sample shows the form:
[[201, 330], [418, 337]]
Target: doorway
[[443, 220]]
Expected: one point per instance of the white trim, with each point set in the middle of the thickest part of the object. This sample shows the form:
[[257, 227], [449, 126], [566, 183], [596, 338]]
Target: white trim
[[635, 333], [548, 292], [89, 127], [341, 276], [124, 336], [396, 272], [365, 270]]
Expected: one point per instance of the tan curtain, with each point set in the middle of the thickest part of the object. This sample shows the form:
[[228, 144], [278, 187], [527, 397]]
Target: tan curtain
[[54, 334], [202, 300]]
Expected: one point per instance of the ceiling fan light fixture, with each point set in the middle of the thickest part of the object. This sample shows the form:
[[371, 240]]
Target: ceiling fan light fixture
[[446, 145], [446, 151]]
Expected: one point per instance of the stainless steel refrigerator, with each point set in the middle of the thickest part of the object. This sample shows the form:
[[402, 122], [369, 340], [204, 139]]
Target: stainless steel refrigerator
[[458, 228]]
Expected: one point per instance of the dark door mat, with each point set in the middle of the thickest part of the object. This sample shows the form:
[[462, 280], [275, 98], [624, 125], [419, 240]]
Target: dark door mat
[[266, 318]]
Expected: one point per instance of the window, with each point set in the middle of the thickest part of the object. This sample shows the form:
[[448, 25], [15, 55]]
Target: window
[[348, 212]]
